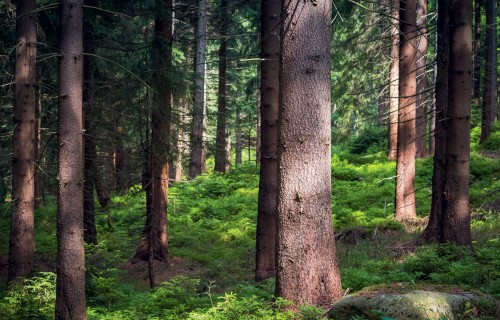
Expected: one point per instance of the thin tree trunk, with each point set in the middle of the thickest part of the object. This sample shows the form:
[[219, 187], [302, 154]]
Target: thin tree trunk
[[394, 81], [239, 137], [21, 241], [433, 230], [265, 258], [306, 266], [477, 53], [221, 164], [490, 99], [422, 83], [38, 143], [405, 169], [198, 151], [456, 217], [70, 286]]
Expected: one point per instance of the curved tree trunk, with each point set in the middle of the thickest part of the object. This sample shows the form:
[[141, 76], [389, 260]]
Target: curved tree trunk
[[70, 286], [307, 270], [394, 82], [269, 70], [22, 242], [405, 169]]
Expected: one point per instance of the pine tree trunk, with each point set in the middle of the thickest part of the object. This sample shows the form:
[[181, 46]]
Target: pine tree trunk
[[405, 168], [269, 71], [394, 82], [239, 137], [490, 98], [221, 164], [456, 216], [433, 230], [307, 269], [477, 53], [422, 84], [198, 151], [37, 153], [70, 286], [21, 241]]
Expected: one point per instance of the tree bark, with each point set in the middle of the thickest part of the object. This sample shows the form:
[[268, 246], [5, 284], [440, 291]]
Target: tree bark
[[70, 286], [477, 53], [198, 151], [307, 270], [405, 168], [38, 143], [422, 83], [221, 164], [456, 217], [265, 258], [433, 230], [154, 241], [21, 241], [239, 137], [490, 98], [394, 82]]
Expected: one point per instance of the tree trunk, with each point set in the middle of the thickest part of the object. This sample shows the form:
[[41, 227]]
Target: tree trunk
[[307, 270], [154, 241], [70, 287], [22, 242], [394, 82], [198, 151], [405, 168], [456, 216], [239, 137], [490, 99], [433, 230], [265, 258], [422, 84], [221, 164], [37, 153], [477, 53]]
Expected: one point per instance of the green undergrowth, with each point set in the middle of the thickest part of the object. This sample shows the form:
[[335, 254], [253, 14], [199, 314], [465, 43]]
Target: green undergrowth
[[212, 225]]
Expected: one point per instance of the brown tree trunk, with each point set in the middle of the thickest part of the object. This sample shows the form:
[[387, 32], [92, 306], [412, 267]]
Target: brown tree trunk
[[422, 83], [433, 230], [394, 82], [154, 241], [221, 164], [477, 53], [307, 270], [21, 241], [456, 215], [37, 153], [198, 151], [239, 137], [70, 287], [490, 99], [120, 167], [265, 258], [405, 169]]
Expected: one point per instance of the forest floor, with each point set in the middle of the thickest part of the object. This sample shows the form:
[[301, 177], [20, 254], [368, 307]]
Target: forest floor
[[212, 247]]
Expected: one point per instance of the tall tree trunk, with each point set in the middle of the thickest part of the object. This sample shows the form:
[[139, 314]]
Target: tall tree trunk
[[394, 82], [239, 137], [422, 84], [269, 109], [37, 153], [221, 164], [21, 241], [175, 165], [433, 230], [456, 217], [477, 53], [198, 151], [490, 99], [70, 286], [307, 270], [405, 168], [154, 241], [120, 167]]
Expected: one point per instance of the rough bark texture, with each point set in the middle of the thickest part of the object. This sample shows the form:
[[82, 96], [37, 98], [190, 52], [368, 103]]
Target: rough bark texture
[[422, 83], [198, 151], [433, 231], [269, 70], [154, 241], [70, 286], [456, 216], [405, 169], [490, 98], [394, 82], [477, 53], [307, 270], [22, 242], [221, 164]]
